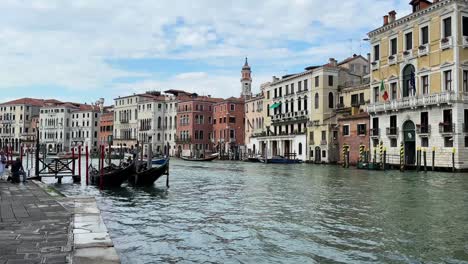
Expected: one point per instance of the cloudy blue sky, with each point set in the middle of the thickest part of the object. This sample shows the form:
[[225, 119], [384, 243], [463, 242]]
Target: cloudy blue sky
[[81, 50]]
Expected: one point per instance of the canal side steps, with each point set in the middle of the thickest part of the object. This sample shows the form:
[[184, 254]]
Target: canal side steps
[[92, 243], [91, 240]]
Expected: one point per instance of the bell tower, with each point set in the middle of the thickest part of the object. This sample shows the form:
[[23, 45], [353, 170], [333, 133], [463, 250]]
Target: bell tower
[[246, 81]]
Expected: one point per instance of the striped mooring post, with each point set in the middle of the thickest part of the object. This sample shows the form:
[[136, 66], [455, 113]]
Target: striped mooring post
[[402, 157], [381, 153], [361, 153], [344, 151]]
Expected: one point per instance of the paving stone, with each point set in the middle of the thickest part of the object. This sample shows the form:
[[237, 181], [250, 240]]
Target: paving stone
[[34, 227]]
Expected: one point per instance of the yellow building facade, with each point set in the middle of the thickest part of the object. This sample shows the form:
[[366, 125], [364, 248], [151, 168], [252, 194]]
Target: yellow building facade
[[419, 83]]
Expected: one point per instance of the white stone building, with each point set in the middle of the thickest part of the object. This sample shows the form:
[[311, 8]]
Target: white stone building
[[55, 126], [85, 127], [126, 122], [16, 122]]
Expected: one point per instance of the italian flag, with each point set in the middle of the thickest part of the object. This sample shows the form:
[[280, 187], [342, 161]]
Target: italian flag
[[382, 89]]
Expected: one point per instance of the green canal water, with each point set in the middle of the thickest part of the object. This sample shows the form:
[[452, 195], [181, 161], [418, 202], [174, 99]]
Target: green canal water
[[235, 212]]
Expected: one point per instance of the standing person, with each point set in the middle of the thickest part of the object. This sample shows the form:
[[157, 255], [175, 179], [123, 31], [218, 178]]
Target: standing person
[[2, 163], [17, 170]]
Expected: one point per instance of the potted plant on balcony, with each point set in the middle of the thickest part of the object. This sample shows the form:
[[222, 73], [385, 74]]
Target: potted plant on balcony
[[406, 52], [391, 57], [422, 47], [444, 40]]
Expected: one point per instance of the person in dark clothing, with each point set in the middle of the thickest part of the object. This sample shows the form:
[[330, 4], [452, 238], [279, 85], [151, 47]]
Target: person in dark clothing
[[16, 170]]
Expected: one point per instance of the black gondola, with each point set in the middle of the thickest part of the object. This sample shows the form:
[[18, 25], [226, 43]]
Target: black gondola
[[147, 177], [209, 158], [114, 175]]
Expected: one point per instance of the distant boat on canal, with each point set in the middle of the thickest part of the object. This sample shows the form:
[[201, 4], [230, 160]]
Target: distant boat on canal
[[208, 158], [280, 160]]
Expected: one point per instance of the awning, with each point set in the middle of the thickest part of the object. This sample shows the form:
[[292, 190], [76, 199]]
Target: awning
[[273, 106]]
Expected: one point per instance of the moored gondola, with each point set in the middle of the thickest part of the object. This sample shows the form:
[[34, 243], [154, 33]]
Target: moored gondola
[[146, 177], [209, 158], [113, 175]]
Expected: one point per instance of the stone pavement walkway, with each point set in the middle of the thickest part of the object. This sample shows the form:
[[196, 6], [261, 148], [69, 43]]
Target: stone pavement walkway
[[34, 227]]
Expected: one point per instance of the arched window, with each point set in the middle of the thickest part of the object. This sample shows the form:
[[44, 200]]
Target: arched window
[[165, 122], [305, 103], [159, 136], [409, 81], [316, 101], [159, 122], [299, 104], [300, 149], [175, 122], [330, 100]]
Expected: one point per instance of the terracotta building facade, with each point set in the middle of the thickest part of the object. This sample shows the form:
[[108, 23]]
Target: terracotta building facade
[[229, 126]]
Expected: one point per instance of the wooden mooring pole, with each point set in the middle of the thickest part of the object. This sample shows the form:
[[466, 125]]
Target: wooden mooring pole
[[79, 161], [73, 159], [418, 158], [433, 158], [101, 175], [425, 160], [453, 160], [87, 165], [384, 158]]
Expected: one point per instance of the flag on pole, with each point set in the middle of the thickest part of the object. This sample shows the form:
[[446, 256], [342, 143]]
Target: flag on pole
[[382, 89]]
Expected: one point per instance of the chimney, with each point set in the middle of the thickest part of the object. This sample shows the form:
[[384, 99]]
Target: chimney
[[332, 62], [385, 20], [391, 16]]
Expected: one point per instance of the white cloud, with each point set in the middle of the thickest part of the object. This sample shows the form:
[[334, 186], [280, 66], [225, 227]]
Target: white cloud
[[67, 43]]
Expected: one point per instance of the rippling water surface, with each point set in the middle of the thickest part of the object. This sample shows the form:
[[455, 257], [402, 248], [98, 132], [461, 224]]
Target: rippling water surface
[[235, 212]]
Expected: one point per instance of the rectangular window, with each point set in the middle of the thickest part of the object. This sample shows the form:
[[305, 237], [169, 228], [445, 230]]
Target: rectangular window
[[408, 40], [448, 80], [361, 129], [232, 107], [232, 120], [316, 81], [299, 86], [447, 27], [376, 94], [424, 142], [346, 130], [393, 46], [465, 26], [393, 121], [393, 142], [324, 135], [330, 80], [376, 52], [354, 100], [292, 88], [393, 91], [305, 85], [268, 94], [448, 142], [425, 84], [465, 81], [424, 35]]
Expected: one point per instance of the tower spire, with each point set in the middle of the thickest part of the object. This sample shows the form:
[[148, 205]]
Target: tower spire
[[246, 80]]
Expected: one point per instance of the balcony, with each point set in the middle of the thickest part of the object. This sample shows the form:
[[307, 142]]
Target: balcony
[[407, 54], [423, 50], [465, 42], [392, 131], [413, 102], [340, 106], [375, 65], [179, 140], [392, 59], [423, 129], [446, 128], [374, 132], [124, 121], [323, 142], [446, 43]]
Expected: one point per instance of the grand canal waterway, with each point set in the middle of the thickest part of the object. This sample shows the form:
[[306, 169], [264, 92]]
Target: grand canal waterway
[[236, 212]]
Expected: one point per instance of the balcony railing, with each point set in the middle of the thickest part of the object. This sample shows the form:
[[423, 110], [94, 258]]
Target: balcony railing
[[446, 128], [374, 132], [323, 142], [392, 131], [414, 101], [182, 140], [423, 129]]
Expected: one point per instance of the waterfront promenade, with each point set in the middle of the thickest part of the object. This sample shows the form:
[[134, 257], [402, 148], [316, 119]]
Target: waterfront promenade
[[44, 227]]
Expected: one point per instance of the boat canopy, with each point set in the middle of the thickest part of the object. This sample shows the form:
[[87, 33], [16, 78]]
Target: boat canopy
[[273, 106]]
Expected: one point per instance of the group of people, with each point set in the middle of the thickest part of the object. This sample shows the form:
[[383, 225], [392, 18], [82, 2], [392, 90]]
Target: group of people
[[17, 169]]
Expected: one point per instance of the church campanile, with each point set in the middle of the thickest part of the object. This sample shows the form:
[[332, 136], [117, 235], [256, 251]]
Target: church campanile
[[246, 81]]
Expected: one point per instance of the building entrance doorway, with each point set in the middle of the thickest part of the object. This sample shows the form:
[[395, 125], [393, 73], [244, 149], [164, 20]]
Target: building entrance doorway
[[409, 136], [318, 155]]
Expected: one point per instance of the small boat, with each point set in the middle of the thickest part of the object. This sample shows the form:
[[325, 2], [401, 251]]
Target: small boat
[[113, 175], [158, 161], [281, 160], [253, 159], [209, 158], [146, 177]]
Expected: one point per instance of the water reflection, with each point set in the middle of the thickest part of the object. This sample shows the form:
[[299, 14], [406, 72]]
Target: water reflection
[[234, 212]]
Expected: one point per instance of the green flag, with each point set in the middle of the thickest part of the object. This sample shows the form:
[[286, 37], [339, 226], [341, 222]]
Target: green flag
[[382, 86]]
